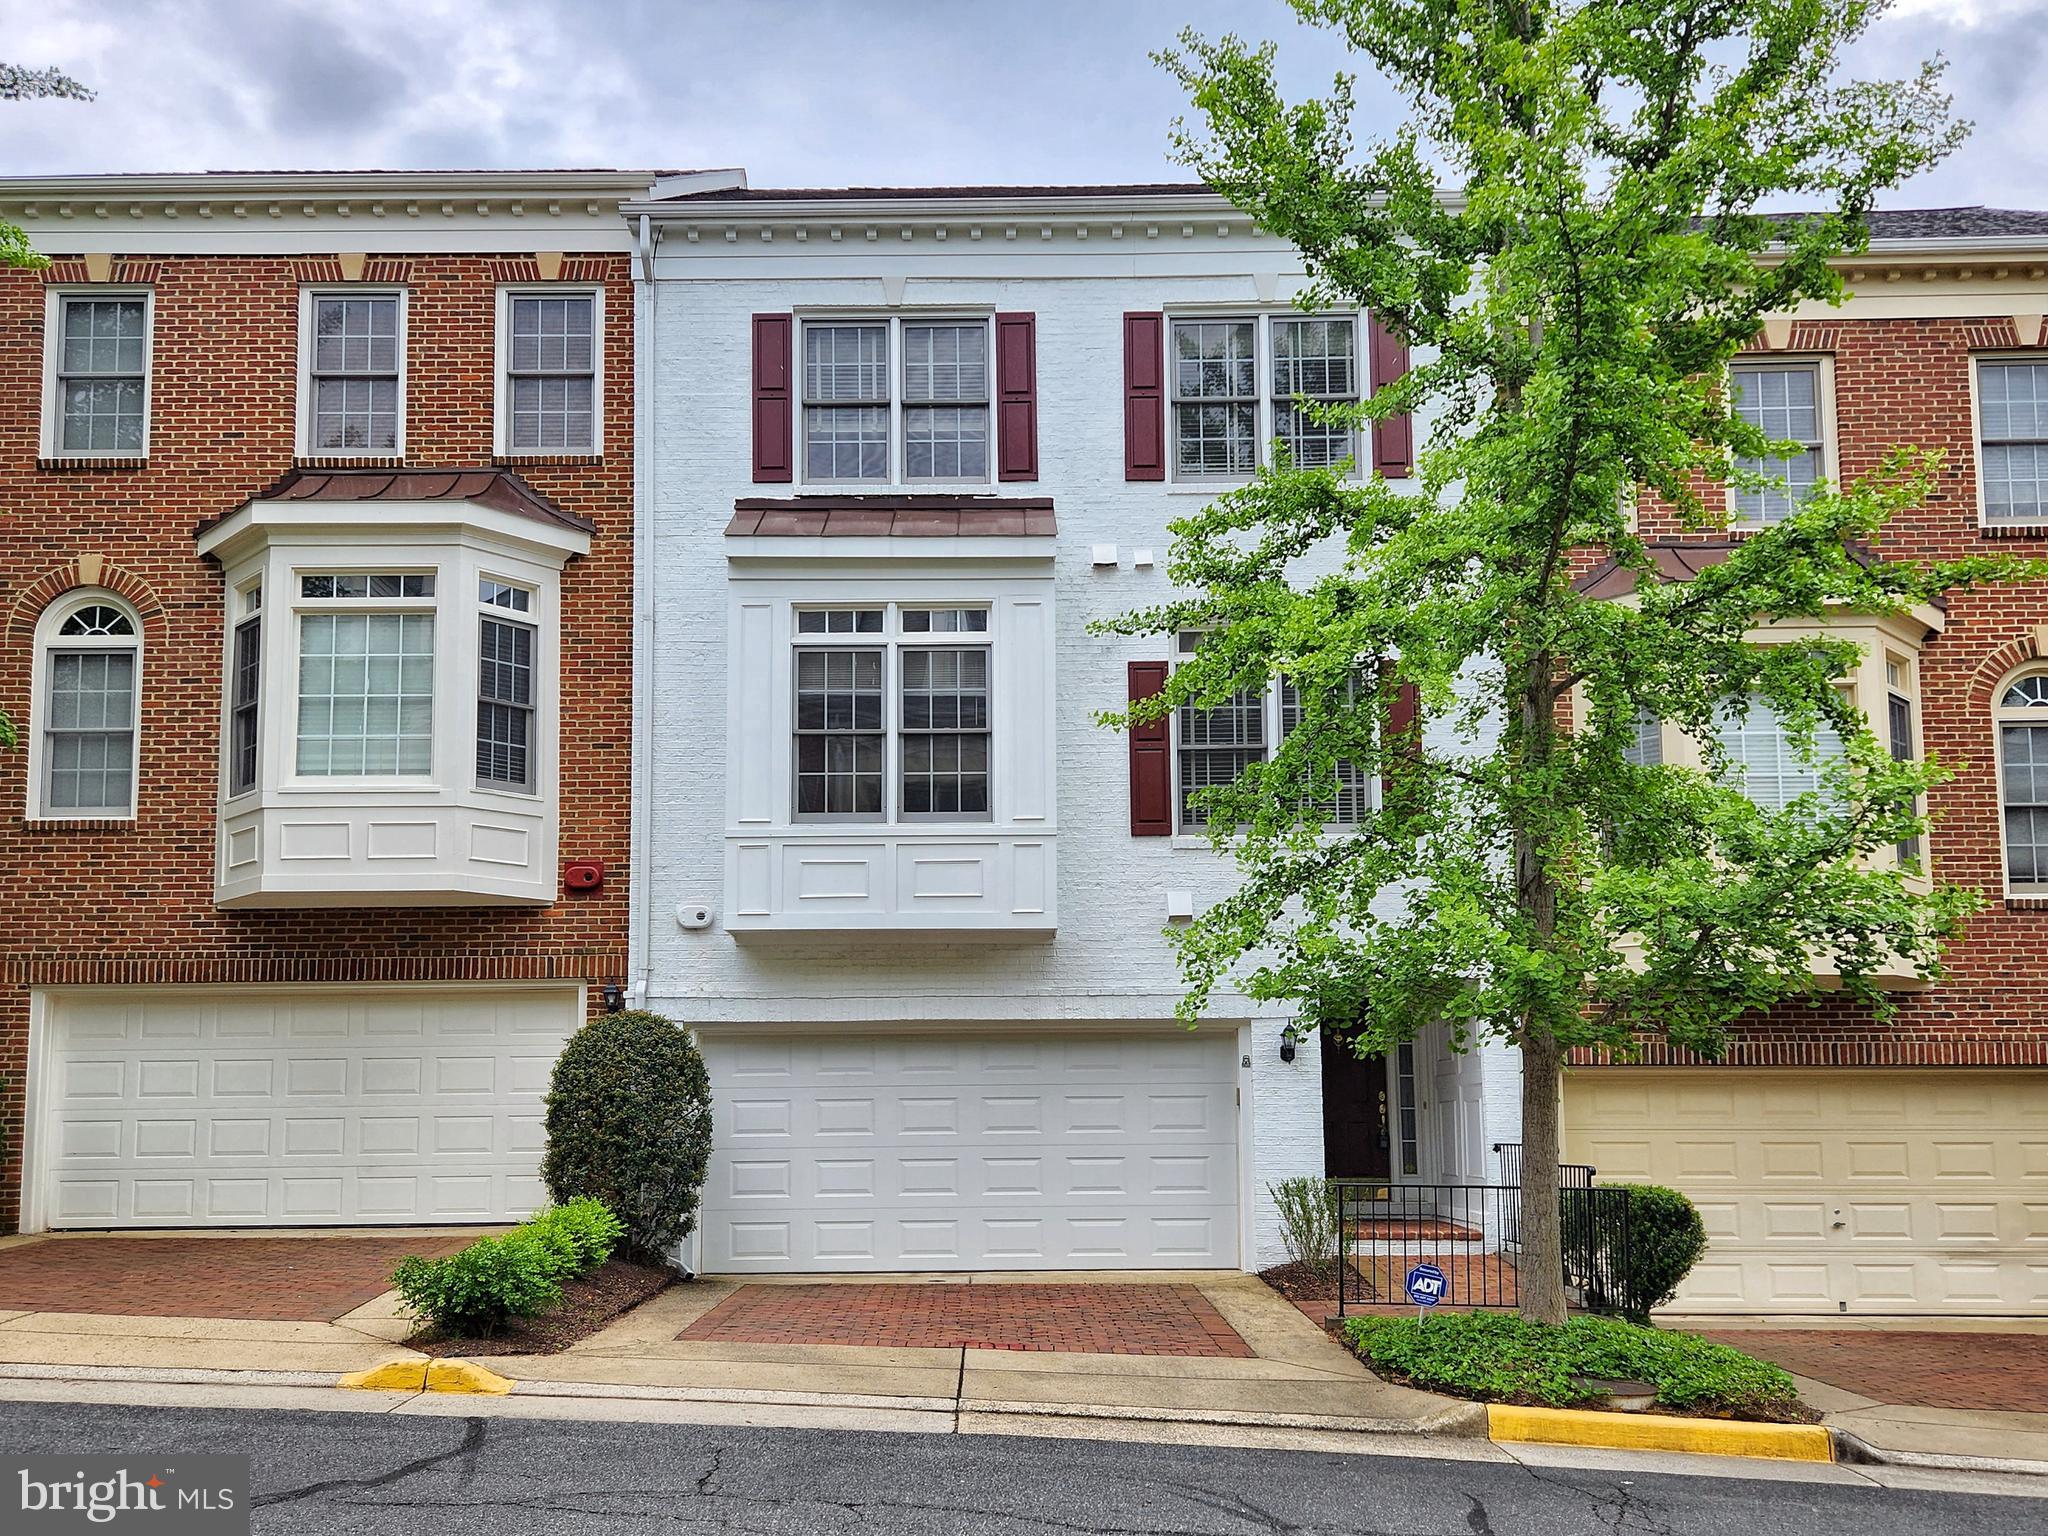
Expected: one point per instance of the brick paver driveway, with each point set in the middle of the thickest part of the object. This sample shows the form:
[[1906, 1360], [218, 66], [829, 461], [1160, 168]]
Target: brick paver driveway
[[273, 1279], [2006, 1371], [1090, 1319]]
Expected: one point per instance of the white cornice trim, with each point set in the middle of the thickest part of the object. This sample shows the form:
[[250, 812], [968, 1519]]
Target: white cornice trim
[[325, 185]]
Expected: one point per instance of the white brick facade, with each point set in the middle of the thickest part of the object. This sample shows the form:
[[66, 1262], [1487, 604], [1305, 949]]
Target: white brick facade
[[1078, 266]]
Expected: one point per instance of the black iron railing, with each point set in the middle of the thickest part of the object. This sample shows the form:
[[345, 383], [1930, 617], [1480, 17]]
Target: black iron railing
[[1470, 1232], [1569, 1176]]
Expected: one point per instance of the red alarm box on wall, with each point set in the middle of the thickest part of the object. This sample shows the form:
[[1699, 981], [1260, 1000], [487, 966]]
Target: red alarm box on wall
[[583, 874]]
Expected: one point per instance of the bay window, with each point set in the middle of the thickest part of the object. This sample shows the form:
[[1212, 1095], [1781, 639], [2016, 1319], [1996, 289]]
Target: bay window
[[408, 656], [874, 685]]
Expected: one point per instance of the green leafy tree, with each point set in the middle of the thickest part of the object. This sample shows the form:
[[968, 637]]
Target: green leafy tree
[[1574, 304], [19, 84]]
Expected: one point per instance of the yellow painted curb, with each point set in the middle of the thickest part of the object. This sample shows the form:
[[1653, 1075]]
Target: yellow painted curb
[[391, 1376], [1658, 1432], [465, 1376]]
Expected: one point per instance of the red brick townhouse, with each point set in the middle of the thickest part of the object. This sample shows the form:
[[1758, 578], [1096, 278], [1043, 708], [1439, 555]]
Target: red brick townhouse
[[315, 626], [1845, 1164]]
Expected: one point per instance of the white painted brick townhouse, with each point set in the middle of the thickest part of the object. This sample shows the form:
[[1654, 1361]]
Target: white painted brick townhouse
[[898, 448]]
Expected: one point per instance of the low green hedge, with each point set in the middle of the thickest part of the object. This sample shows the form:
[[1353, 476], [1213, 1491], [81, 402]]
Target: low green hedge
[[496, 1279], [1499, 1358]]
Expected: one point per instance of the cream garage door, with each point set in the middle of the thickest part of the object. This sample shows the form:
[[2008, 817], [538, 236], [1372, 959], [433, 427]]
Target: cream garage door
[[1865, 1191], [196, 1107], [972, 1152]]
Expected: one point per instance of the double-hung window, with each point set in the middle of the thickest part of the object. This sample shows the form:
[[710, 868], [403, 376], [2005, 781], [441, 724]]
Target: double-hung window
[[99, 373], [1239, 382], [89, 688], [354, 388], [366, 675], [548, 400], [1900, 735], [245, 691], [892, 713], [898, 400], [2012, 430], [1213, 746], [1784, 402], [1772, 769], [505, 708]]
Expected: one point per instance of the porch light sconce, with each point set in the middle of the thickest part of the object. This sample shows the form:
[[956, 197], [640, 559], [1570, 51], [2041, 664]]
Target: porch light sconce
[[1287, 1039], [614, 997]]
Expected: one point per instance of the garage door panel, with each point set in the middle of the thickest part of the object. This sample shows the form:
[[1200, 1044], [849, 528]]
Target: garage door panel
[[256, 1110], [1882, 1191], [914, 1152]]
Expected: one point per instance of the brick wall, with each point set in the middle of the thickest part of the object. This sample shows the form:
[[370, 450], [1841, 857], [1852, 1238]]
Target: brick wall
[[132, 903], [1907, 381]]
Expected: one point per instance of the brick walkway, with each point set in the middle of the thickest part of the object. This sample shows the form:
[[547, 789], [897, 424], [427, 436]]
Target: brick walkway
[[271, 1279], [1077, 1319], [2005, 1371]]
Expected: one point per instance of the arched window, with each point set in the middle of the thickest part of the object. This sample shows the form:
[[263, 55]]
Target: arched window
[[2021, 712], [86, 704]]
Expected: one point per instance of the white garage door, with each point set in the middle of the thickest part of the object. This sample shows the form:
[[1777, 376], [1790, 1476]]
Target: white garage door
[[186, 1106], [1892, 1192], [972, 1152]]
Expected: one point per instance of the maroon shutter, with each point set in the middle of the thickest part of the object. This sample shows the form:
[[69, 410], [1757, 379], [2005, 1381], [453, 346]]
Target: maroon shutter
[[1151, 758], [1016, 397], [1393, 439], [1401, 713], [774, 418], [1144, 397]]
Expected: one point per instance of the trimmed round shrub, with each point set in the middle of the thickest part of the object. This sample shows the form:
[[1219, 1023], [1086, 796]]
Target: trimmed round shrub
[[629, 1123], [1665, 1239]]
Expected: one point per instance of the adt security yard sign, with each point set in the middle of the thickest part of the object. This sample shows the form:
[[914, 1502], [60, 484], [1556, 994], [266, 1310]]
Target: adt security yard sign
[[1427, 1285]]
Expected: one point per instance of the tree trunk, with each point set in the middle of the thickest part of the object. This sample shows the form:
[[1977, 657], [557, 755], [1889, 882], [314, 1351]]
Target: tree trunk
[[1539, 1277]]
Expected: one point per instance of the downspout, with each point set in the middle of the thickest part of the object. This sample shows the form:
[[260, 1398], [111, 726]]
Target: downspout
[[640, 897]]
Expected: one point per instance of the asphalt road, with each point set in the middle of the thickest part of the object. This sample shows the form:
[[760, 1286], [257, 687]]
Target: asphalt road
[[336, 1472]]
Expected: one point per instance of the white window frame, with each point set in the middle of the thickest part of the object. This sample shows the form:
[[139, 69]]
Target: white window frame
[[1266, 404], [300, 607], [1823, 366], [501, 427], [1271, 716], [47, 643], [892, 640], [2001, 717], [897, 481], [309, 296], [532, 619], [54, 298], [1978, 361]]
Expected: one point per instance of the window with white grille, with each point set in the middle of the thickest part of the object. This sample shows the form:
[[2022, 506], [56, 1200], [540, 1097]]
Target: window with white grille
[[1241, 382], [87, 709], [1768, 765], [893, 717], [99, 370], [2022, 719], [355, 374], [550, 391], [897, 399], [2012, 450], [1783, 401]]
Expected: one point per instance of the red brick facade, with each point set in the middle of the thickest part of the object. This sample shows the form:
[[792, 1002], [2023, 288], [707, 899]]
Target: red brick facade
[[119, 902], [1908, 381]]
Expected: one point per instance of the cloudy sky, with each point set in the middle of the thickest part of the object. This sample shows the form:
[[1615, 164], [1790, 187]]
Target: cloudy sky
[[800, 92]]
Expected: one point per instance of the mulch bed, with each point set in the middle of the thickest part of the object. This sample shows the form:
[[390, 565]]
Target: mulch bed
[[1299, 1283], [587, 1305]]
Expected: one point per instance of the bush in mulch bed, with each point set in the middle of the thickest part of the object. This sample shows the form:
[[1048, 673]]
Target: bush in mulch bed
[[551, 1280], [588, 1304], [1310, 1282], [1499, 1358]]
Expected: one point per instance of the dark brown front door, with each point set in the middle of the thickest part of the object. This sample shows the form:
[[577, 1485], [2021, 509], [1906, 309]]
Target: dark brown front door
[[1354, 1112]]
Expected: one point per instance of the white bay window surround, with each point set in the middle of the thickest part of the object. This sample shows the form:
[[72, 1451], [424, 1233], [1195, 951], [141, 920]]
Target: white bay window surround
[[891, 720], [389, 701]]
